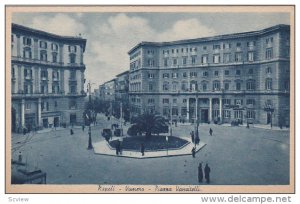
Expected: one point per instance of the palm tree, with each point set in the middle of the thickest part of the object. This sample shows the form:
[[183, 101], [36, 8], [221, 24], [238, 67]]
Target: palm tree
[[149, 124]]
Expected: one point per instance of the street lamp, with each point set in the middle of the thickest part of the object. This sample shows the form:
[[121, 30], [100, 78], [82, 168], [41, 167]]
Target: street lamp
[[90, 146]]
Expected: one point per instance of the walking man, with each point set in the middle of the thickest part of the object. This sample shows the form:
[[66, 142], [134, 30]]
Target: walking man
[[83, 127], [210, 131], [207, 172], [194, 152], [142, 149], [200, 173]]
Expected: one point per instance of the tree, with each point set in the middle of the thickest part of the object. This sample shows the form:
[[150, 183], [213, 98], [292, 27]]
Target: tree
[[149, 124]]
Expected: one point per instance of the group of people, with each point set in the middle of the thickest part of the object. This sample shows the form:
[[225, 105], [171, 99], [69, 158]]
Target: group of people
[[206, 173]]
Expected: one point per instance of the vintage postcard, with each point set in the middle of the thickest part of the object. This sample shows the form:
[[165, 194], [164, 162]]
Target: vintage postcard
[[150, 99]]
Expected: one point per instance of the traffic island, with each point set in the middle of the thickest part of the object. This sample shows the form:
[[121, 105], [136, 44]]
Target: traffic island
[[158, 146]]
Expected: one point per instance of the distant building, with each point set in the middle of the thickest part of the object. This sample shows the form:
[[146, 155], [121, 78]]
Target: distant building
[[122, 86], [107, 90], [47, 78], [241, 77]]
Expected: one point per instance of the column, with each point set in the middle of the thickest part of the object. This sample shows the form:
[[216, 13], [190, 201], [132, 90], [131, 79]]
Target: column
[[188, 109], [210, 110], [78, 80], [39, 112], [49, 80], [23, 113], [21, 85], [220, 99]]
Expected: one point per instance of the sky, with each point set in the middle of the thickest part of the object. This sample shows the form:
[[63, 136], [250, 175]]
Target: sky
[[111, 35]]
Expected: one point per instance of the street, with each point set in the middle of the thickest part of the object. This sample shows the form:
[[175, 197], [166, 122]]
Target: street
[[236, 156]]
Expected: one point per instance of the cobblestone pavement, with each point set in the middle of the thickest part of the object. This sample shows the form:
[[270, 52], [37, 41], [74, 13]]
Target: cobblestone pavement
[[236, 155]]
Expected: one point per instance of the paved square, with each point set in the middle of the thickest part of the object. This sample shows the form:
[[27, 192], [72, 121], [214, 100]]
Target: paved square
[[236, 155]]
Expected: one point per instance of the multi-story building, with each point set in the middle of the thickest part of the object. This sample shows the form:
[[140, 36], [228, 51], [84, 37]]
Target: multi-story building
[[107, 90], [122, 86], [47, 78], [241, 76]]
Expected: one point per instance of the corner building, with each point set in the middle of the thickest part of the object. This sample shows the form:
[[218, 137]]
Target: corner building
[[47, 79], [241, 76]]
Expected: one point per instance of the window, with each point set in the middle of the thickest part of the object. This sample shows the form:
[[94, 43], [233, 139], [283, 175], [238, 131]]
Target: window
[[184, 100], [73, 74], [226, 101], [216, 86], [184, 86], [269, 53], [268, 70], [250, 101], [216, 59], [226, 86], [193, 86], [151, 100], [238, 86], [44, 88], [72, 58], [55, 89], [72, 104], [204, 48], [165, 62], [250, 56], [43, 55], [43, 44], [55, 103], [166, 75], [216, 73], [238, 44], [287, 85], [250, 114], [28, 106], [237, 72], [226, 113], [27, 73], [54, 47], [55, 75], [172, 51], [226, 46], [205, 74], [72, 48], [194, 59], [166, 86], [250, 85], [175, 62], [150, 75], [204, 59], [184, 60], [165, 100], [268, 84], [227, 57], [204, 86], [174, 100], [184, 74], [27, 53], [12, 38], [54, 57], [150, 86], [250, 71], [72, 89], [238, 102], [269, 40], [226, 72], [238, 57], [174, 75], [27, 41], [193, 74], [238, 114], [216, 47], [174, 86]]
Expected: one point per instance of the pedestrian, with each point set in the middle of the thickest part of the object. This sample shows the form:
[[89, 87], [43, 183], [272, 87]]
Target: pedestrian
[[207, 172], [197, 139], [142, 149], [83, 127], [200, 173], [24, 131], [117, 149], [20, 158], [210, 131], [192, 136], [194, 152], [71, 131], [175, 123]]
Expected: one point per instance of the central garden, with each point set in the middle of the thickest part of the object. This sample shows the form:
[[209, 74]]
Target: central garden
[[155, 143]]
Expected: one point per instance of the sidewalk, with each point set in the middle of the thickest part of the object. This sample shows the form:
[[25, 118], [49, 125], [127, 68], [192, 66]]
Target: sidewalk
[[102, 148]]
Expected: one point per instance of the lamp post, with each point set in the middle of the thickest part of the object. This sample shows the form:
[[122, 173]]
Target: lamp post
[[90, 146]]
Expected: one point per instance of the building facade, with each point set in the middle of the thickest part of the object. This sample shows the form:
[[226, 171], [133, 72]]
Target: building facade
[[241, 77], [47, 79]]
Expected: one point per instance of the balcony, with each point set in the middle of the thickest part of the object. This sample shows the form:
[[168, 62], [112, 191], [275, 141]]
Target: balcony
[[30, 60], [28, 77], [44, 78]]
